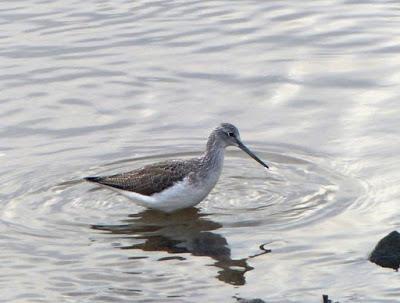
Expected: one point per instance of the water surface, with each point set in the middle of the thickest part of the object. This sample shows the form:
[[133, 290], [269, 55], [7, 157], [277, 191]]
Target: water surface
[[101, 87]]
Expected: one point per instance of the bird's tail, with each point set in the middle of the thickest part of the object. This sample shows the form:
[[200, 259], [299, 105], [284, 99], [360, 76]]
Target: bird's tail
[[92, 179]]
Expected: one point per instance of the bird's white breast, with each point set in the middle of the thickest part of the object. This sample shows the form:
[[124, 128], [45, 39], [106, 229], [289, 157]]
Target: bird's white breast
[[185, 193]]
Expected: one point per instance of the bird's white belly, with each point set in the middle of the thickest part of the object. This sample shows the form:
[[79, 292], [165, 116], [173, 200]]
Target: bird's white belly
[[182, 194]]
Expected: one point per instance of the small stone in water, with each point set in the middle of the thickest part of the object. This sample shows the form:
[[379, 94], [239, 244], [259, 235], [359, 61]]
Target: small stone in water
[[387, 252], [241, 300]]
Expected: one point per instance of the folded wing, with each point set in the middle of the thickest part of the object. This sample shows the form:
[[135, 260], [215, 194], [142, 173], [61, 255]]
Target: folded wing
[[148, 180]]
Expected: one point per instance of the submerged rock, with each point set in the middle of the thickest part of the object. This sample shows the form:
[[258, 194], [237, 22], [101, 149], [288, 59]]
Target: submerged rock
[[325, 299], [241, 300], [387, 252]]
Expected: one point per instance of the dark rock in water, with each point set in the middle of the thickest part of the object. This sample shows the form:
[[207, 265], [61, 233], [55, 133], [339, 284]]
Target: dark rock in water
[[241, 300], [387, 252], [325, 299]]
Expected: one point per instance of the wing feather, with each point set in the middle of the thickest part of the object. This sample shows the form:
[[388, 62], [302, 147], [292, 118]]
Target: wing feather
[[150, 179]]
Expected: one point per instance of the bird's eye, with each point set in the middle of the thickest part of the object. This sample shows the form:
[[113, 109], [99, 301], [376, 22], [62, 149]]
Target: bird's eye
[[230, 134]]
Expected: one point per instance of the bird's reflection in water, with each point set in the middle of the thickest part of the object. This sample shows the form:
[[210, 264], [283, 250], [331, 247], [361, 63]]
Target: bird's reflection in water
[[186, 231]]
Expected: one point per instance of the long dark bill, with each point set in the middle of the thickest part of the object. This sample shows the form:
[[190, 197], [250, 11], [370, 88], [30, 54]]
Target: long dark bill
[[248, 151]]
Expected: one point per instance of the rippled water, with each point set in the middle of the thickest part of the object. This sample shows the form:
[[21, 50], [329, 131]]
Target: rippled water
[[96, 87]]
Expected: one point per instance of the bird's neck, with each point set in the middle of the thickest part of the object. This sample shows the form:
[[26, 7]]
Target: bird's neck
[[213, 157]]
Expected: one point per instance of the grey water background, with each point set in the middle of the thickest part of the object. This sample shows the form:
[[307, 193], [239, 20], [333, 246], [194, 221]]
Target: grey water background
[[95, 87]]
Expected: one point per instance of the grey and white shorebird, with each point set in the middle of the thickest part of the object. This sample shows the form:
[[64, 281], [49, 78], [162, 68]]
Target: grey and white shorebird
[[175, 184]]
